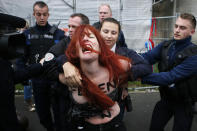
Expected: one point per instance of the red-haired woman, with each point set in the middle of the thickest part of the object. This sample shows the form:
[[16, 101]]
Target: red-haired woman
[[94, 105]]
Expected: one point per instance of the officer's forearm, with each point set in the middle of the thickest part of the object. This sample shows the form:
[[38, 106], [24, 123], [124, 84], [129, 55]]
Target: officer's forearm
[[33, 70]]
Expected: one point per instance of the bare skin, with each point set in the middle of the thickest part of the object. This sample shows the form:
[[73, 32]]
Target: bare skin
[[99, 75], [109, 32]]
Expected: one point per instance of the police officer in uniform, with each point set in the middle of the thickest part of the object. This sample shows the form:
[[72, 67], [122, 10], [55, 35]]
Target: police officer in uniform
[[61, 98], [39, 39], [173, 102]]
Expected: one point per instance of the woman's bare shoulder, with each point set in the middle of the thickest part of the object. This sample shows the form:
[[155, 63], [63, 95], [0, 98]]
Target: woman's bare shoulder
[[125, 64]]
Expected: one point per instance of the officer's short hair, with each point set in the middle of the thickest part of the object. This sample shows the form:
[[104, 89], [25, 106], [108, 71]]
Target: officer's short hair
[[41, 4], [107, 6], [189, 17], [84, 18]]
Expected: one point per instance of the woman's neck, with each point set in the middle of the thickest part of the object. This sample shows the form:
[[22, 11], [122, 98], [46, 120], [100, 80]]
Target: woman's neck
[[91, 69]]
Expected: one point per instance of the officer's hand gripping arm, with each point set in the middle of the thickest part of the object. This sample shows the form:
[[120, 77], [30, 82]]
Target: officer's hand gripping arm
[[72, 75]]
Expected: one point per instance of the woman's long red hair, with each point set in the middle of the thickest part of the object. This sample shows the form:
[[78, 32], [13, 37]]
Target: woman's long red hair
[[107, 58]]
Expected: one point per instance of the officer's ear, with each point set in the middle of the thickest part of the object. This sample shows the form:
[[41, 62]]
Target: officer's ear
[[33, 14], [192, 31]]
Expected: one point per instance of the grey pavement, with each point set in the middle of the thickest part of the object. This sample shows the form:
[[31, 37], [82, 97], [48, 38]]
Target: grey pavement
[[137, 120]]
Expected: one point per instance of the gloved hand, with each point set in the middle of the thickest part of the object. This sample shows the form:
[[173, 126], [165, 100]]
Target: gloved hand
[[50, 67]]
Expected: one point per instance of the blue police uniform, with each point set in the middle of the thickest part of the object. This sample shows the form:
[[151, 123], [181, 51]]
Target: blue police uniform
[[170, 104], [39, 39], [60, 48]]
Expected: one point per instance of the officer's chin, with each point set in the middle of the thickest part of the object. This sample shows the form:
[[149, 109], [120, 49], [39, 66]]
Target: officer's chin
[[177, 38], [42, 24]]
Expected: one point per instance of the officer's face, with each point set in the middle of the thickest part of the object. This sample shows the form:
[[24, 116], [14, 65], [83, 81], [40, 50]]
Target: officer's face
[[109, 31], [104, 12], [73, 23], [183, 29], [41, 15]]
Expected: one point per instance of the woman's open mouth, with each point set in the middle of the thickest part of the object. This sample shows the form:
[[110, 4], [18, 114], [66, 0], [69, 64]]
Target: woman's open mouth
[[87, 48]]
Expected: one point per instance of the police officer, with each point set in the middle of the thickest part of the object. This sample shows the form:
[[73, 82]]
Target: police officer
[[172, 103], [61, 99], [38, 41]]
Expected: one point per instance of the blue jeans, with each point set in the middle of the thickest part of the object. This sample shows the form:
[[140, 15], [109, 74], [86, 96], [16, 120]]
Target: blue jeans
[[28, 91]]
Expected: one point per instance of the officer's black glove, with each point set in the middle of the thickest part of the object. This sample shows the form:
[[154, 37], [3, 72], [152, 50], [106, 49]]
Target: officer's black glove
[[50, 67]]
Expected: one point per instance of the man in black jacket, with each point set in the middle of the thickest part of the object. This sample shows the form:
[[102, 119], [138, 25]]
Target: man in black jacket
[[39, 39]]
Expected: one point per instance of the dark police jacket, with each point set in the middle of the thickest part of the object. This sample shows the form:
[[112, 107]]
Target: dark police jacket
[[10, 77], [171, 77], [60, 48], [39, 39]]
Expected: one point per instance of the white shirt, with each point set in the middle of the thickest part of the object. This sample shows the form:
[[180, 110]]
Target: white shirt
[[113, 48]]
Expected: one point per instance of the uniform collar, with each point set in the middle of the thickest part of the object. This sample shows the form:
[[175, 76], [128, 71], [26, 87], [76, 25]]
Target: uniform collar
[[43, 28], [183, 41]]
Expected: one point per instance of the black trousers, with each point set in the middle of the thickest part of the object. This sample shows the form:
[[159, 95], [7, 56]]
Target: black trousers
[[42, 98], [164, 110], [110, 126], [61, 105], [8, 120]]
